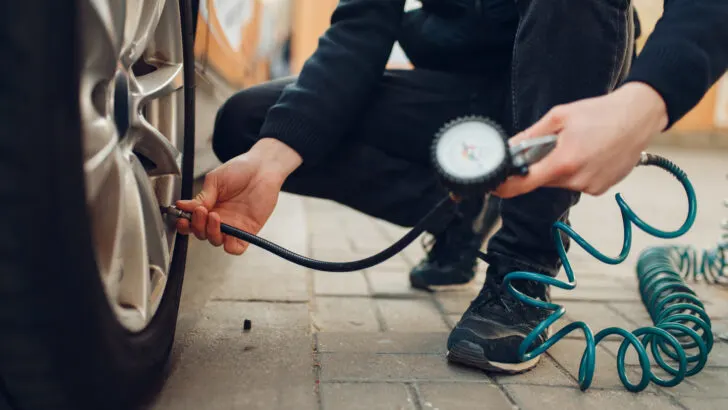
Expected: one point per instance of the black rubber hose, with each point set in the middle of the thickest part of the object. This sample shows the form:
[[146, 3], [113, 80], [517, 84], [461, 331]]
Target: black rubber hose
[[352, 266]]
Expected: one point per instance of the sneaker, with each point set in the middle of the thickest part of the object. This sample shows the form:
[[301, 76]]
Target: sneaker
[[490, 332], [452, 259]]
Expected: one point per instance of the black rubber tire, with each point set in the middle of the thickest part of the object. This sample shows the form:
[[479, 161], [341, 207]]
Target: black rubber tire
[[61, 346]]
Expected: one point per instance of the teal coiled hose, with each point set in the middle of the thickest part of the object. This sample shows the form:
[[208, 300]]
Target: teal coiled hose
[[672, 305], [708, 265]]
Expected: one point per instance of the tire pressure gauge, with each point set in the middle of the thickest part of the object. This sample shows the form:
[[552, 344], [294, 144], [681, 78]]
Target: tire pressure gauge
[[472, 155]]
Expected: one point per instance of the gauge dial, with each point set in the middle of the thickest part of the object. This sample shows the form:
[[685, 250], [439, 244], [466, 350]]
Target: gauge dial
[[469, 152]]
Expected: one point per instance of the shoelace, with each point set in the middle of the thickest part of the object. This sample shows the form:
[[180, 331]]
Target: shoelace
[[493, 295]]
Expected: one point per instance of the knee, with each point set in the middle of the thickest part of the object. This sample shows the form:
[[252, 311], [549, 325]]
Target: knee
[[236, 127]]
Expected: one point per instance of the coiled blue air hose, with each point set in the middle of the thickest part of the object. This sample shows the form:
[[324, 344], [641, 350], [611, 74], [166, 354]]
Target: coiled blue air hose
[[671, 303], [708, 265]]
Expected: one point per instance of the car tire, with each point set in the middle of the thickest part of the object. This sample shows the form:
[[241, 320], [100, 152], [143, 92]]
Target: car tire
[[61, 345]]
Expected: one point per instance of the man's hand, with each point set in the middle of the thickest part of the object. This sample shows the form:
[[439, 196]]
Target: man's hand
[[242, 192], [600, 141]]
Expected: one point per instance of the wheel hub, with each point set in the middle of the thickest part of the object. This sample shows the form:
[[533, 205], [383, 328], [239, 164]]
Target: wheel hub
[[122, 102]]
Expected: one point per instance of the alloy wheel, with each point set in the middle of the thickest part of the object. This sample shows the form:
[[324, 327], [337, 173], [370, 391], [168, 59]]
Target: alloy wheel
[[132, 112]]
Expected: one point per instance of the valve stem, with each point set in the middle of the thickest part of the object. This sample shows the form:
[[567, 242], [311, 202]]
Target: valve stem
[[176, 212]]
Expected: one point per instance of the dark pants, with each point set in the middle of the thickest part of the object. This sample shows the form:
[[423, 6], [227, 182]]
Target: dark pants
[[563, 50]]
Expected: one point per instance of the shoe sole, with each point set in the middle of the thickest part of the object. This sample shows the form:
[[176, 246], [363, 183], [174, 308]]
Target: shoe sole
[[463, 353]]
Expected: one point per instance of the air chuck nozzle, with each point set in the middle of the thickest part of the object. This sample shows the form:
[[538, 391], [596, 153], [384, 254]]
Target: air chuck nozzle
[[176, 212]]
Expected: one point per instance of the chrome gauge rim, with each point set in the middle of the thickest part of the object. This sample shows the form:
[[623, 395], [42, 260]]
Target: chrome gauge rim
[[132, 112]]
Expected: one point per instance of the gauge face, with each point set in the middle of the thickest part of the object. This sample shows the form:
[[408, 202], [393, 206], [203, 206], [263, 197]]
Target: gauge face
[[470, 150]]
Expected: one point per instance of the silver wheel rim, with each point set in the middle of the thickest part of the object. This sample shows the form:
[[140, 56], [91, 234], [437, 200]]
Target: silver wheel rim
[[132, 112]]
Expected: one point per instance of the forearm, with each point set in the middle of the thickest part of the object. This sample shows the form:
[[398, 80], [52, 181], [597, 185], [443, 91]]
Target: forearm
[[279, 159], [685, 55], [313, 113]]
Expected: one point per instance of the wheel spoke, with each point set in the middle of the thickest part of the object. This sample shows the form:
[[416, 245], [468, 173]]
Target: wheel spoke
[[133, 295], [168, 189], [103, 22], [150, 143], [156, 232], [107, 221], [159, 83], [101, 153], [141, 23]]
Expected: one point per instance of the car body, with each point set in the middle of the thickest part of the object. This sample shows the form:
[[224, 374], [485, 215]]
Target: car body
[[238, 43]]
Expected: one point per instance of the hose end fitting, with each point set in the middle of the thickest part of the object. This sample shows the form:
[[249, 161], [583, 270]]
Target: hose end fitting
[[176, 212]]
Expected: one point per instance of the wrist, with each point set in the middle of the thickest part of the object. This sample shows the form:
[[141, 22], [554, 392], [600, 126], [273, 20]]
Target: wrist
[[278, 159], [647, 105]]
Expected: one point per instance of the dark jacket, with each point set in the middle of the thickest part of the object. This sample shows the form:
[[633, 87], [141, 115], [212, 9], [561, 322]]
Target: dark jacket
[[684, 56]]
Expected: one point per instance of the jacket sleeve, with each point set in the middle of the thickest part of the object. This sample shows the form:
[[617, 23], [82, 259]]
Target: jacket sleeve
[[686, 54], [336, 82]]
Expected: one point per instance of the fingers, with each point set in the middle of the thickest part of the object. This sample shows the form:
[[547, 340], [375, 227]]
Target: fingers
[[199, 223], [206, 226], [551, 123], [544, 173], [234, 246], [214, 235], [183, 226], [207, 197], [551, 168]]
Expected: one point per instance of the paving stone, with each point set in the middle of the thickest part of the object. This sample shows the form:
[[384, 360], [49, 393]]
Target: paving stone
[[635, 311], [337, 314], [602, 281], [453, 320], [462, 396], [546, 373], [324, 243], [415, 315], [334, 255], [719, 355], [366, 396], [594, 294], [217, 366], [568, 354], [704, 404], [394, 264], [455, 302], [392, 283], [720, 327], [631, 358], [709, 383], [368, 240], [715, 298], [393, 367], [717, 304], [597, 316], [389, 342], [260, 277], [335, 283], [560, 398]]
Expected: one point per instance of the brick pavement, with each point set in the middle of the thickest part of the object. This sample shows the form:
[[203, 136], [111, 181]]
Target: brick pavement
[[371, 342], [399, 363]]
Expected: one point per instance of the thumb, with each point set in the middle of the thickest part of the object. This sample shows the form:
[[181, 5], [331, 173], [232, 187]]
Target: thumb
[[206, 198], [551, 123]]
